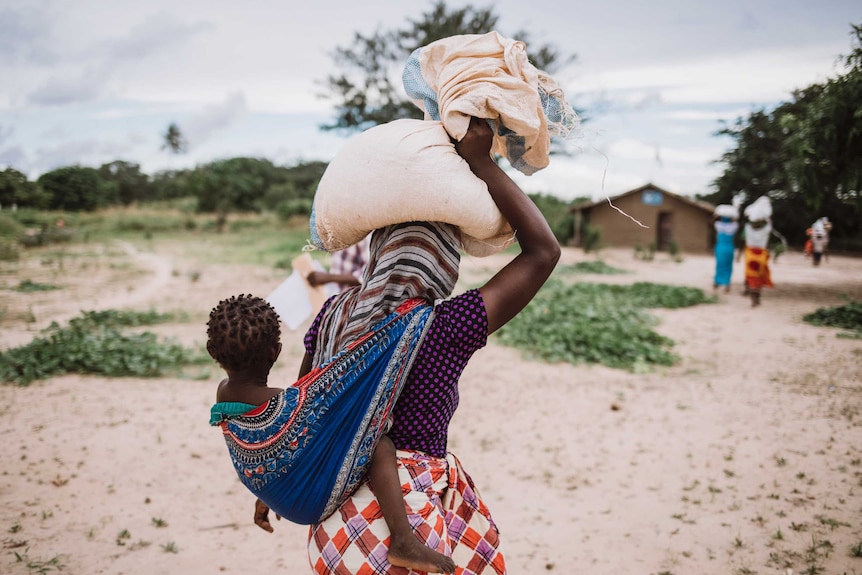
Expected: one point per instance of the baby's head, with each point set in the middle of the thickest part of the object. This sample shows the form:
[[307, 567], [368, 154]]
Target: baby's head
[[243, 333]]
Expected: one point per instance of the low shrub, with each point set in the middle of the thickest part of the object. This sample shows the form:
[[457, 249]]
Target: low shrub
[[93, 343], [598, 323]]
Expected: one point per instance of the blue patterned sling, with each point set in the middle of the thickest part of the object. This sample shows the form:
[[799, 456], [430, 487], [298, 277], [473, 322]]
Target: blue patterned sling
[[308, 448]]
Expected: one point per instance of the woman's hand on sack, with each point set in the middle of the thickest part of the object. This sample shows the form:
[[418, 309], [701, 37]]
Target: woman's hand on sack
[[261, 516], [475, 146]]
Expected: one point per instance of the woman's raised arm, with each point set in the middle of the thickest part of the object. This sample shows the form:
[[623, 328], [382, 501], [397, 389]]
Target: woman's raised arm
[[512, 288]]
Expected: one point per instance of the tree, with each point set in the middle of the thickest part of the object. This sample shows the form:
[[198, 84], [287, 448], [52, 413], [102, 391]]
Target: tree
[[558, 214], [364, 91], [130, 184], [174, 139], [824, 144], [75, 189], [805, 155], [17, 190]]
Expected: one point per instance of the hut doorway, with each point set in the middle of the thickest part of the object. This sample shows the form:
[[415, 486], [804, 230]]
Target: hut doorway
[[664, 231]]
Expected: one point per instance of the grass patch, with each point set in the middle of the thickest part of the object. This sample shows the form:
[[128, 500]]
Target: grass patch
[[29, 286], [94, 343], [598, 323], [38, 565], [848, 317], [590, 267]]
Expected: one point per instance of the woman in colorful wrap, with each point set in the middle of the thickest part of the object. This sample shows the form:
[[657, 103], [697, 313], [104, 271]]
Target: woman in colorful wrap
[[758, 228], [725, 230], [420, 260]]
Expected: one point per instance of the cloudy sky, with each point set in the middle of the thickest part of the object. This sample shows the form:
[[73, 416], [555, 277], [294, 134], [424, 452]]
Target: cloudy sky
[[91, 81]]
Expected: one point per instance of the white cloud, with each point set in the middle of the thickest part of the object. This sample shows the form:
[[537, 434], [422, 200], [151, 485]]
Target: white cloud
[[214, 118], [762, 76], [87, 87], [693, 115], [629, 149]]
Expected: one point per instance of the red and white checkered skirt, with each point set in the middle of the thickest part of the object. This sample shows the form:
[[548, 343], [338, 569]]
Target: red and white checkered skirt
[[443, 507]]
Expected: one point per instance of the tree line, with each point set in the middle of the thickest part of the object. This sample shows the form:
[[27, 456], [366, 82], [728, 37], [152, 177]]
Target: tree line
[[223, 186]]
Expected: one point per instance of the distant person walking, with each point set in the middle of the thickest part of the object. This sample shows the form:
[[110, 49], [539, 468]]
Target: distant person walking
[[818, 240], [726, 227], [758, 228], [345, 268]]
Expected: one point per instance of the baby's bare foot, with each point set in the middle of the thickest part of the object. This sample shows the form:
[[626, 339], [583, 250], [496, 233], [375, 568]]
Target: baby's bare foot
[[410, 553]]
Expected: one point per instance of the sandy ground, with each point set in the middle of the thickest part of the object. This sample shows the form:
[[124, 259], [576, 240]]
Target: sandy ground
[[744, 458]]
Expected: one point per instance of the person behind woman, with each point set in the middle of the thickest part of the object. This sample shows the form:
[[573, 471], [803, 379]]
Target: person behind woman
[[725, 230], [420, 259], [346, 267]]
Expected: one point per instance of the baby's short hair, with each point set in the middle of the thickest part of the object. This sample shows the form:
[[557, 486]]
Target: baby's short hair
[[242, 332]]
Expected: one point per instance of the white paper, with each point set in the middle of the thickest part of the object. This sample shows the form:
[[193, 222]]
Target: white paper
[[291, 301]]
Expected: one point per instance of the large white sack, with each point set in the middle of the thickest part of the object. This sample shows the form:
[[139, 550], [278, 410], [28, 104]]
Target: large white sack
[[760, 209], [404, 171]]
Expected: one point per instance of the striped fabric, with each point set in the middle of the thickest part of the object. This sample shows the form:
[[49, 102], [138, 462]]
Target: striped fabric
[[351, 260], [444, 508], [410, 260]]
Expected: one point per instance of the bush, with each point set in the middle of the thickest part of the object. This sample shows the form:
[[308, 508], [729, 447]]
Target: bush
[[93, 343], [9, 251], [647, 254], [10, 227], [848, 316], [295, 207], [674, 251], [592, 238]]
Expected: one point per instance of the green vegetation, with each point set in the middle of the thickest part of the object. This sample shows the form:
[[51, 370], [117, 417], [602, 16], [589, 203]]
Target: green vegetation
[[848, 317], [591, 238], [36, 565], [590, 267], [646, 254], [805, 154], [598, 323], [94, 343], [674, 251], [29, 286], [557, 213]]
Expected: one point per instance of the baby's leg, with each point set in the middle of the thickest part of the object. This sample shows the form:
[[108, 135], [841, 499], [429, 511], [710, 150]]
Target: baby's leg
[[405, 550]]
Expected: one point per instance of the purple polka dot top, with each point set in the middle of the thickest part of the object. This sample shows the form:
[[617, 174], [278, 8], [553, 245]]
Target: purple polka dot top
[[430, 395]]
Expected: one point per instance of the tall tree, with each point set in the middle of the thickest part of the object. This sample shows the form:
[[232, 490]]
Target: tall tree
[[824, 144], [806, 155], [366, 91], [174, 140]]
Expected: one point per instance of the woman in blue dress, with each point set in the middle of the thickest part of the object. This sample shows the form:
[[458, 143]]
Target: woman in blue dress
[[725, 231]]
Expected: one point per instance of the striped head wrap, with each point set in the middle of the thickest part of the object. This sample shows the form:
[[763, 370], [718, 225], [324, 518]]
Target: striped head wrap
[[409, 260]]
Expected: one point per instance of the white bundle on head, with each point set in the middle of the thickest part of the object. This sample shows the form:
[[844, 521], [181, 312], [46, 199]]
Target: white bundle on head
[[726, 211], [760, 210]]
